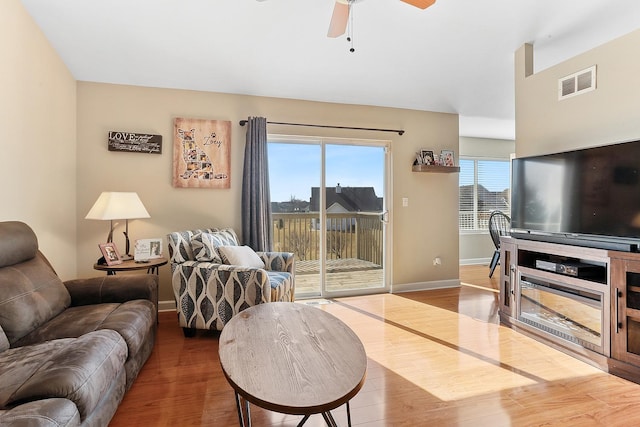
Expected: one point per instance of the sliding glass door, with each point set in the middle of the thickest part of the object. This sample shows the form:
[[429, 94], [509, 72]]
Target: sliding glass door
[[329, 208], [295, 169]]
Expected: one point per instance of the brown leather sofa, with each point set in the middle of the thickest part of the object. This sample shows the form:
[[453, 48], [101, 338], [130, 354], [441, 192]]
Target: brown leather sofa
[[68, 350]]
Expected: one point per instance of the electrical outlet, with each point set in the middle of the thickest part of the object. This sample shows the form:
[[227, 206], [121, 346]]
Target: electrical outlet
[[405, 202]]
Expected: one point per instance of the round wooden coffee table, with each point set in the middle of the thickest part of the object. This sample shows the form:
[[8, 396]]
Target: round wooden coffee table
[[293, 359]]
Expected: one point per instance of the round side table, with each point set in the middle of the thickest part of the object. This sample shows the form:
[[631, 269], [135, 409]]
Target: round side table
[[151, 266]]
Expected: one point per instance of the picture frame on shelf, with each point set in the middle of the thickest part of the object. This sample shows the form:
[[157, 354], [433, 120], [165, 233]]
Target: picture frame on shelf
[[447, 158], [419, 160], [146, 249], [110, 253], [427, 157]]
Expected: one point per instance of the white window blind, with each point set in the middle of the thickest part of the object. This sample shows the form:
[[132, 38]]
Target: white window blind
[[484, 187]]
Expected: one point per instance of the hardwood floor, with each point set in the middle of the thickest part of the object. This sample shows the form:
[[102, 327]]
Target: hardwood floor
[[436, 358]]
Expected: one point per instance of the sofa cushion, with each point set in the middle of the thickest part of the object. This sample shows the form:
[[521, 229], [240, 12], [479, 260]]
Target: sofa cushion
[[204, 245], [30, 295], [278, 278], [282, 286], [179, 242], [132, 320], [240, 255], [79, 369]]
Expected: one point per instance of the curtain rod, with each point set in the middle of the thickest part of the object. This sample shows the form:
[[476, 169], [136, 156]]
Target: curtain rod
[[398, 131]]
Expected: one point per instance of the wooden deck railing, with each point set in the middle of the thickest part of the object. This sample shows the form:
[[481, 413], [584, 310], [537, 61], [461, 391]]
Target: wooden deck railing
[[349, 235]]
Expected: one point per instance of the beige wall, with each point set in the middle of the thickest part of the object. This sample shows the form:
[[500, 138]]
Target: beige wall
[[606, 115], [477, 247], [422, 231], [38, 144], [489, 148]]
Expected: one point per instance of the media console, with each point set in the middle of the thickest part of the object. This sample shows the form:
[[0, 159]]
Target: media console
[[621, 245], [580, 300]]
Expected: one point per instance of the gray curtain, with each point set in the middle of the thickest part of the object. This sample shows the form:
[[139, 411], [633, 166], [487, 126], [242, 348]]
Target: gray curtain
[[256, 201]]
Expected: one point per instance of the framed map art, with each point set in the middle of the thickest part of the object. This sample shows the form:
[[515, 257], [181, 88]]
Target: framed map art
[[201, 153]]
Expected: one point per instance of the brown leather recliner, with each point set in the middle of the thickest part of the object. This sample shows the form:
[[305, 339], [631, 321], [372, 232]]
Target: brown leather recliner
[[68, 350]]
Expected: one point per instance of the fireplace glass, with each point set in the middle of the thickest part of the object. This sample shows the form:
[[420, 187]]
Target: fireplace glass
[[569, 313]]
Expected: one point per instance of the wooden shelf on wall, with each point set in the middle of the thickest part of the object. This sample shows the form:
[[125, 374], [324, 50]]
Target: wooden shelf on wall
[[435, 168]]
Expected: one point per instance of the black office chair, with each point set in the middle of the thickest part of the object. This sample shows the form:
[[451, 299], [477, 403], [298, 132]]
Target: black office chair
[[499, 225]]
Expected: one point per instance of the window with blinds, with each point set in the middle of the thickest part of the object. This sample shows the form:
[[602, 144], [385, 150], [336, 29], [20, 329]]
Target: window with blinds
[[484, 187]]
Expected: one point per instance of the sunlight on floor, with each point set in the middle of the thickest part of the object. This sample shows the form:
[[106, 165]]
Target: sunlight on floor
[[497, 291], [466, 358]]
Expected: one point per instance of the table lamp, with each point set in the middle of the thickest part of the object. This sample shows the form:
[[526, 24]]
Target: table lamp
[[118, 205]]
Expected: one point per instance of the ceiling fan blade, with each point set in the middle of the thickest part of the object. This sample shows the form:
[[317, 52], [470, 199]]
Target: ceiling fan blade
[[339, 20], [422, 4]]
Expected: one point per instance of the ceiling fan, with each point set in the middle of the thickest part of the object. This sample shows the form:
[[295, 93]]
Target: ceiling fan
[[340, 16]]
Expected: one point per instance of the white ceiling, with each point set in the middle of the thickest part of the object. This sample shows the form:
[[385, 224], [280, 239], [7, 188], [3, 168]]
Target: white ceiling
[[456, 56]]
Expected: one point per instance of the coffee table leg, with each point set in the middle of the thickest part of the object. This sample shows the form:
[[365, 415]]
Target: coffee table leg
[[304, 420], [241, 412], [329, 419]]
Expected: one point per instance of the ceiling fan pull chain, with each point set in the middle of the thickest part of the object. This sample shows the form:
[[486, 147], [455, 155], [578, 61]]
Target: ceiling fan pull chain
[[350, 29]]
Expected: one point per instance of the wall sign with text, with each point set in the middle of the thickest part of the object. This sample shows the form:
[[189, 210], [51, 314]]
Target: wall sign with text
[[135, 142]]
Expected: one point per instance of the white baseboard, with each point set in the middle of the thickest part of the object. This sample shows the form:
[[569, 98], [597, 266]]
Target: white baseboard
[[399, 288], [425, 286], [167, 305], [475, 261], [396, 289]]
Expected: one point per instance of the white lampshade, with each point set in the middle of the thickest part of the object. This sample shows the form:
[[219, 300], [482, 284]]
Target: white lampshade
[[118, 205]]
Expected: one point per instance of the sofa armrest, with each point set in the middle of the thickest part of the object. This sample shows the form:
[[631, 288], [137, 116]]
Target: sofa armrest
[[42, 412], [109, 289], [278, 261]]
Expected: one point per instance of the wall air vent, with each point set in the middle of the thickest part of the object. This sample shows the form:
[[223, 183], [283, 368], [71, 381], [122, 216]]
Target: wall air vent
[[577, 83]]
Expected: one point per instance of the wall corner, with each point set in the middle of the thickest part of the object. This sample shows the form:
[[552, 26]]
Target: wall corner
[[524, 61]]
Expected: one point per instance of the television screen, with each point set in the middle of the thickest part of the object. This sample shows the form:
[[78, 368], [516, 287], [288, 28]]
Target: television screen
[[591, 192]]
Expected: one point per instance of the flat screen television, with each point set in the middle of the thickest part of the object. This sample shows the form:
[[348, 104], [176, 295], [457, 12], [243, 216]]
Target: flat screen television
[[588, 197]]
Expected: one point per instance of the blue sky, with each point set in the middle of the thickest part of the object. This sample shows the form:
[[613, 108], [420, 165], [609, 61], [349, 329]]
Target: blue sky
[[295, 168]]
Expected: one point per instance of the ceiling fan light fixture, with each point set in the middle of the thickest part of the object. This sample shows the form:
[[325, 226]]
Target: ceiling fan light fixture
[[342, 13]]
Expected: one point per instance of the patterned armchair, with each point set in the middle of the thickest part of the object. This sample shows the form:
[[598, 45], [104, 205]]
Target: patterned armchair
[[209, 290]]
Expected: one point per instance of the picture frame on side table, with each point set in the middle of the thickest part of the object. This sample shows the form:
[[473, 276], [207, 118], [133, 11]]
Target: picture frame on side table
[[110, 253], [146, 249], [447, 158]]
